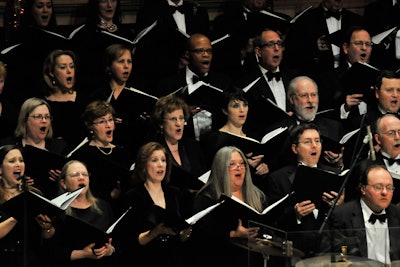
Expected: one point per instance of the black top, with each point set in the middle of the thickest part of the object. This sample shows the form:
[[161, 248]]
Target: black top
[[185, 176], [21, 247], [163, 250], [134, 110], [108, 171], [66, 240], [67, 123]]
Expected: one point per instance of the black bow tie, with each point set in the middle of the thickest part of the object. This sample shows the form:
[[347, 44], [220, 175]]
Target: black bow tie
[[380, 217], [391, 161], [180, 9], [270, 75], [329, 14], [197, 79], [300, 121]]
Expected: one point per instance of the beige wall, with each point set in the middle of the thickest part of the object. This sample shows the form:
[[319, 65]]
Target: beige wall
[[67, 9]]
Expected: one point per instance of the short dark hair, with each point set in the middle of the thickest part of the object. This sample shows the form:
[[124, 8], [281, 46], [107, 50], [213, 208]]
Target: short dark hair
[[298, 130], [348, 33], [258, 37], [366, 171], [389, 74], [232, 95]]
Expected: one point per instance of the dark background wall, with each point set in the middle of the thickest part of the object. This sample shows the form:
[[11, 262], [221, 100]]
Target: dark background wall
[[70, 11]]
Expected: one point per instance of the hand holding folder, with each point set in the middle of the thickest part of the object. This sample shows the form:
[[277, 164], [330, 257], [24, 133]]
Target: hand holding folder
[[29, 204], [82, 233], [310, 184]]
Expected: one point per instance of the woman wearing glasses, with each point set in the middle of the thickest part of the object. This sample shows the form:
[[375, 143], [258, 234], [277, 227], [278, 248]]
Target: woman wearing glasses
[[230, 175], [34, 128], [109, 162], [188, 159], [70, 246]]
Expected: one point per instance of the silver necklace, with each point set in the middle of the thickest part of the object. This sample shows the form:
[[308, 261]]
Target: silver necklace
[[110, 28], [105, 153]]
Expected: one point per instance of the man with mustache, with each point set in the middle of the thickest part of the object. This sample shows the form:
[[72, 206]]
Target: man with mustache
[[303, 96]]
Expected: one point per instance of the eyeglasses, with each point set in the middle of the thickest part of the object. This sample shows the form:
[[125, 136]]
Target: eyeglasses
[[175, 119], [306, 96], [78, 174], [40, 117], [392, 133], [234, 165], [309, 142], [272, 44], [201, 51], [361, 43], [104, 121], [381, 187]]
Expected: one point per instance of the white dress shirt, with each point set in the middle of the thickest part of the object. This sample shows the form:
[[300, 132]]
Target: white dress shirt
[[378, 242]]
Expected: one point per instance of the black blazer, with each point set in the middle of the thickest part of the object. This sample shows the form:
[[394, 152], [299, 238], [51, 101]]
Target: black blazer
[[303, 235], [348, 219]]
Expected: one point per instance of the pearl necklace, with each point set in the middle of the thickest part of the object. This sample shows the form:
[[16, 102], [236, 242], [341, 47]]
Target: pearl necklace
[[105, 153]]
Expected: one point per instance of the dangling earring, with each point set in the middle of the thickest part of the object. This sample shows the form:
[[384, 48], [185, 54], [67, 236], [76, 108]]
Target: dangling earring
[[53, 82]]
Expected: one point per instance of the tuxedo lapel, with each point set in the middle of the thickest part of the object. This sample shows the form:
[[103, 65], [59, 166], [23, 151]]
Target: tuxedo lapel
[[264, 89], [358, 224]]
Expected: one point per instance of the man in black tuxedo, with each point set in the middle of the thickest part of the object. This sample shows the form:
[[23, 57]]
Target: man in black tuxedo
[[268, 81], [306, 145], [369, 225], [200, 87], [242, 20], [306, 47], [334, 92], [158, 54]]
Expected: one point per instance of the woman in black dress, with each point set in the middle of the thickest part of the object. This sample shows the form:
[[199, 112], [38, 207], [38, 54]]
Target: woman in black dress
[[147, 240], [109, 163]]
